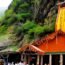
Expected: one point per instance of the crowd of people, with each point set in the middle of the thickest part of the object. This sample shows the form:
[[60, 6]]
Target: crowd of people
[[12, 63], [18, 63]]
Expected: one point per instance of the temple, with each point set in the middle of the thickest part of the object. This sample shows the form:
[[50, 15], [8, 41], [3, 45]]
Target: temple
[[51, 48]]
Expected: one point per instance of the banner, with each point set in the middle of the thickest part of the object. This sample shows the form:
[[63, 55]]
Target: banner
[[60, 23]]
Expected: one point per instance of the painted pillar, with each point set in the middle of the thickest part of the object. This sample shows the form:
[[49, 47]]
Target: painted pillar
[[38, 59], [61, 59], [21, 56], [28, 59], [41, 59], [50, 59], [25, 59]]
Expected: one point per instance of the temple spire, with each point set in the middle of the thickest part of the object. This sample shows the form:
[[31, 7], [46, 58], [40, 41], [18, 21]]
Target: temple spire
[[60, 22], [58, 4]]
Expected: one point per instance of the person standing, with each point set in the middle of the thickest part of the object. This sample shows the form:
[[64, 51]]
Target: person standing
[[21, 63], [12, 63]]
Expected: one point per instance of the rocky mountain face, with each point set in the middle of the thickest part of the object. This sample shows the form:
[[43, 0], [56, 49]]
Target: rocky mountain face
[[47, 9], [28, 20]]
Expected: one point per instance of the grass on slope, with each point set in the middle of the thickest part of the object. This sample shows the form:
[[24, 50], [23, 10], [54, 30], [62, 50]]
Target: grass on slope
[[4, 37]]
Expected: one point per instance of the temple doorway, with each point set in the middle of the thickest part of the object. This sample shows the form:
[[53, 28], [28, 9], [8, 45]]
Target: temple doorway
[[55, 59], [33, 59], [46, 59], [16, 57], [63, 59]]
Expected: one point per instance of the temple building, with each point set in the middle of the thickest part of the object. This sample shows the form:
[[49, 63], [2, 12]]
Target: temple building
[[51, 48]]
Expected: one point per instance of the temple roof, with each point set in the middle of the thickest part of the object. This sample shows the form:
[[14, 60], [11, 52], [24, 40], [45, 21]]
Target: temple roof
[[55, 45]]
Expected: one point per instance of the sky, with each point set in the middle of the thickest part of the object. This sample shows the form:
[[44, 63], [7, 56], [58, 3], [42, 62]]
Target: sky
[[4, 5]]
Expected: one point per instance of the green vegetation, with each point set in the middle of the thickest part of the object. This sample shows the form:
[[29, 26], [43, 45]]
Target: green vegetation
[[22, 22], [4, 37]]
